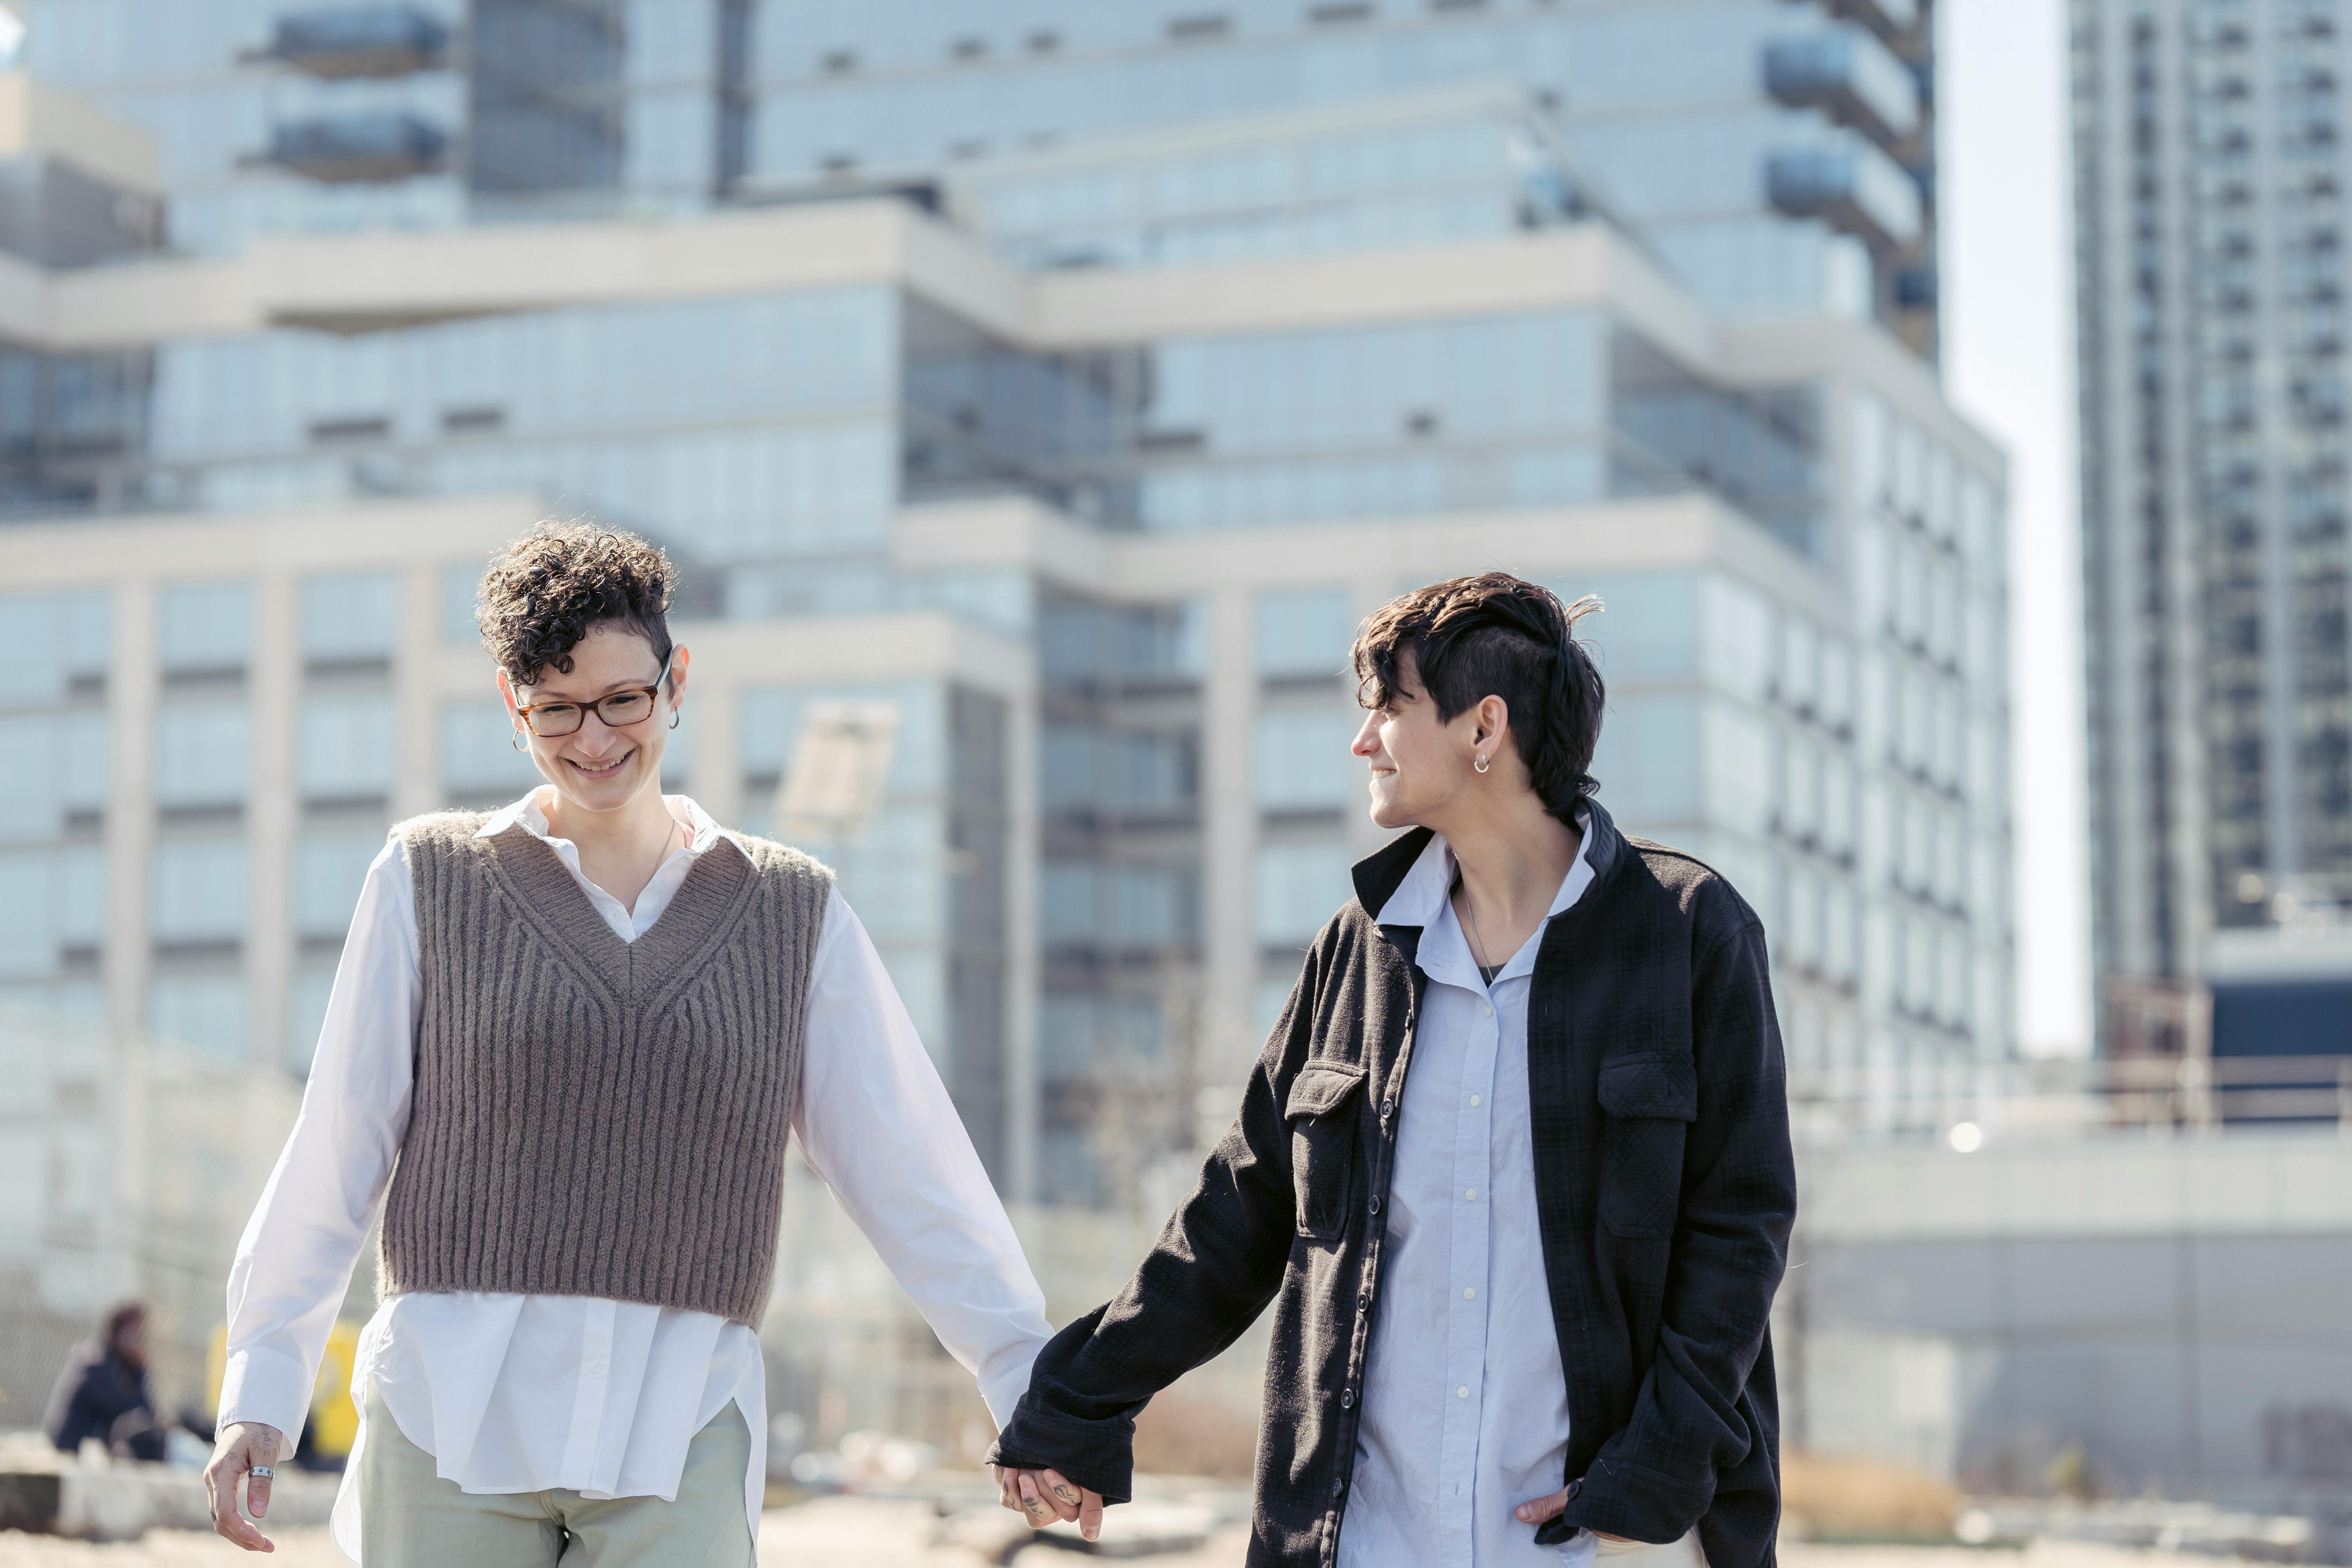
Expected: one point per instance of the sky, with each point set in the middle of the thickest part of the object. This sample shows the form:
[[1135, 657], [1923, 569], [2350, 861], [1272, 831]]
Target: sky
[[2009, 364]]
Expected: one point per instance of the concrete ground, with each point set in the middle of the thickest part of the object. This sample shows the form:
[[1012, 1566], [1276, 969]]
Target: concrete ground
[[863, 1532]]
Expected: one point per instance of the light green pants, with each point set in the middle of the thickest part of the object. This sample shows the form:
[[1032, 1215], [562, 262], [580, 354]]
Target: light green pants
[[411, 1518]]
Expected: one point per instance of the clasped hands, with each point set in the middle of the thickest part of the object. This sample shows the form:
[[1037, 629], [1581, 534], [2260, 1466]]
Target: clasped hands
[[1044, 1496]]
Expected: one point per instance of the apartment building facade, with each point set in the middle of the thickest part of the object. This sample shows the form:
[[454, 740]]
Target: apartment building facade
[[1779, 158], [1083, 452], [1121, 800]]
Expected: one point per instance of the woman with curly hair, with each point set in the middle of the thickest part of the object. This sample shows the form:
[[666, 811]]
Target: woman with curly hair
[[565, 1047]]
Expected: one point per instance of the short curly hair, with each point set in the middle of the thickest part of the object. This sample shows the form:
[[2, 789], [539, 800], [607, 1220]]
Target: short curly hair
[[561, 581]]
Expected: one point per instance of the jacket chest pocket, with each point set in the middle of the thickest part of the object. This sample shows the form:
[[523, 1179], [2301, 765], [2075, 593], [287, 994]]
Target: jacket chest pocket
[[1648, 1103], [1323, 1110]]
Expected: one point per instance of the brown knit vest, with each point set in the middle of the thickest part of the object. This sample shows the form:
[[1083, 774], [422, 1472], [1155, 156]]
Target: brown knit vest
[[594, 1116]]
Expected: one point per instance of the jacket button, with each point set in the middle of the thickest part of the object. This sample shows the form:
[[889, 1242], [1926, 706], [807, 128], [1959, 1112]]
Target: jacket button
[[1339, 1485], [1387, 1109], [1346, 1399], [1376, 1202], [1363, 1301]]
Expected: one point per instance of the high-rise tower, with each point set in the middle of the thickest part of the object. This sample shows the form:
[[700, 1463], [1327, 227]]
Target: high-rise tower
[[2211, 165]]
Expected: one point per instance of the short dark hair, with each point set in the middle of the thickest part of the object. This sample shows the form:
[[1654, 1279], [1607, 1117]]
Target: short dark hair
[[1497, 636], [561, 581]]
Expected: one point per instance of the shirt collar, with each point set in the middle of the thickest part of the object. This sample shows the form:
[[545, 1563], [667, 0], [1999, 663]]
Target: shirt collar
[[530, 814], [1423, 899]]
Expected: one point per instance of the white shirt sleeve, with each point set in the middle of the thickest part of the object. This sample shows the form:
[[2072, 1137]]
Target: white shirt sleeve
[[877, 1124], [294, 1261]]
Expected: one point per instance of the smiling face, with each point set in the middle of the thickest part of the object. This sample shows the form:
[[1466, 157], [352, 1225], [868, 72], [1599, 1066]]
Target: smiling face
[[1421, 764], [601, 766]]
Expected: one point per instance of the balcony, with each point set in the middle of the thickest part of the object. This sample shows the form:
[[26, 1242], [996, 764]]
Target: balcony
[[1851, 76], [1855, 188], [360, 41], [352, 148]]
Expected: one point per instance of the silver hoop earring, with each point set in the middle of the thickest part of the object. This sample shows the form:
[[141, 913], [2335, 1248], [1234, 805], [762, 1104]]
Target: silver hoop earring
[[1481, 764], [673, 717], [516, 741]]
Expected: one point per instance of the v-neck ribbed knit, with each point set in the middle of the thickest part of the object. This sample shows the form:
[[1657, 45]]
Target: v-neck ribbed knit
[[595, 1117]]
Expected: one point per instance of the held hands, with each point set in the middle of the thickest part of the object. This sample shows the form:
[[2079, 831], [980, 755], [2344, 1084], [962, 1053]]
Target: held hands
[[1042, 1496], [1543, 1510], [241, 1445]]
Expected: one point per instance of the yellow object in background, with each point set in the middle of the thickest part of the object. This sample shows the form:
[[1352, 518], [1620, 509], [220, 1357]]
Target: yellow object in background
[[334, 1420]]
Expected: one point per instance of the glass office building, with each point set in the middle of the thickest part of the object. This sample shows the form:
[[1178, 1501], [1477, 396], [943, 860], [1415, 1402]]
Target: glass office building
[[1078, 131], [1072, 387]]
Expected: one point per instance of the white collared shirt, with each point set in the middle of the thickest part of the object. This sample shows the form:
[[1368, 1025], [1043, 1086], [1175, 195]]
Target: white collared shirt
[[1465, 1403], [513, 1393]]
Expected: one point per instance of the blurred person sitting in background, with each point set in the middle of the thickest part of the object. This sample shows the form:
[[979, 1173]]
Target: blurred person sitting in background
[[565, 1047], [102, 1393], [1521, 1291]]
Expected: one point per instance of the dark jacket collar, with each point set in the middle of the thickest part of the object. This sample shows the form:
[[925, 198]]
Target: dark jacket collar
[[1378, 876]]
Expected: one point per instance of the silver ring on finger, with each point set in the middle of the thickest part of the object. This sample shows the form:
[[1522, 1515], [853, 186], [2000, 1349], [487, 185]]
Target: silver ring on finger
[[261, 1472]]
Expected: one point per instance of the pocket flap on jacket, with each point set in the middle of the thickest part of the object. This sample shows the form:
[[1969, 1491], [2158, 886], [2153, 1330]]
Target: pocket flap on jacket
[[1320, 1087], [1664, 1086]]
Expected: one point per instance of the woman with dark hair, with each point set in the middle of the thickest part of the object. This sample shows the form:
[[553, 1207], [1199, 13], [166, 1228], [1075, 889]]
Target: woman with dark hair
[[565, 1047], [102, 1393], [1513, 1169]]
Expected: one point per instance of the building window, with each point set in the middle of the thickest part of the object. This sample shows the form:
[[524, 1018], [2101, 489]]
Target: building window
[[306, 1015], [1649, 761], [200, 755], [479, 761], [56, 641], [206, 626], [1267, 1003], [1083, 1035], [329, 868], [346, 747], [1304, 634], [56, 773], [1080, 642], [461, 587], [1303, 762], [350, 618], [198, 892], [204, 1011], [1299, 887], [52, 909], [1090, 904]]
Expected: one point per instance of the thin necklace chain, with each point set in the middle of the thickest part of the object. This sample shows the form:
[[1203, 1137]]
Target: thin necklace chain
[[1478, 943]]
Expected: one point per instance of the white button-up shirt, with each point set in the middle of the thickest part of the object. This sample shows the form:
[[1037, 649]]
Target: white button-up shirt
[[1465, 1403], [514, 1394]]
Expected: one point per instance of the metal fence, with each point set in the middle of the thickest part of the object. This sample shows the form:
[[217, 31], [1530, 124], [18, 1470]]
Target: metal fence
[[1970, 1102]]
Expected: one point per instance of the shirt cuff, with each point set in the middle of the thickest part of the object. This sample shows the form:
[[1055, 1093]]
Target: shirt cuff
[[1003, 1391], [269, 1387]]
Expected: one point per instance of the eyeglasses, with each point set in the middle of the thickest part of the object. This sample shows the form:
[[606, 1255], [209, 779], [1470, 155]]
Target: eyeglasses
[[618, 709]]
